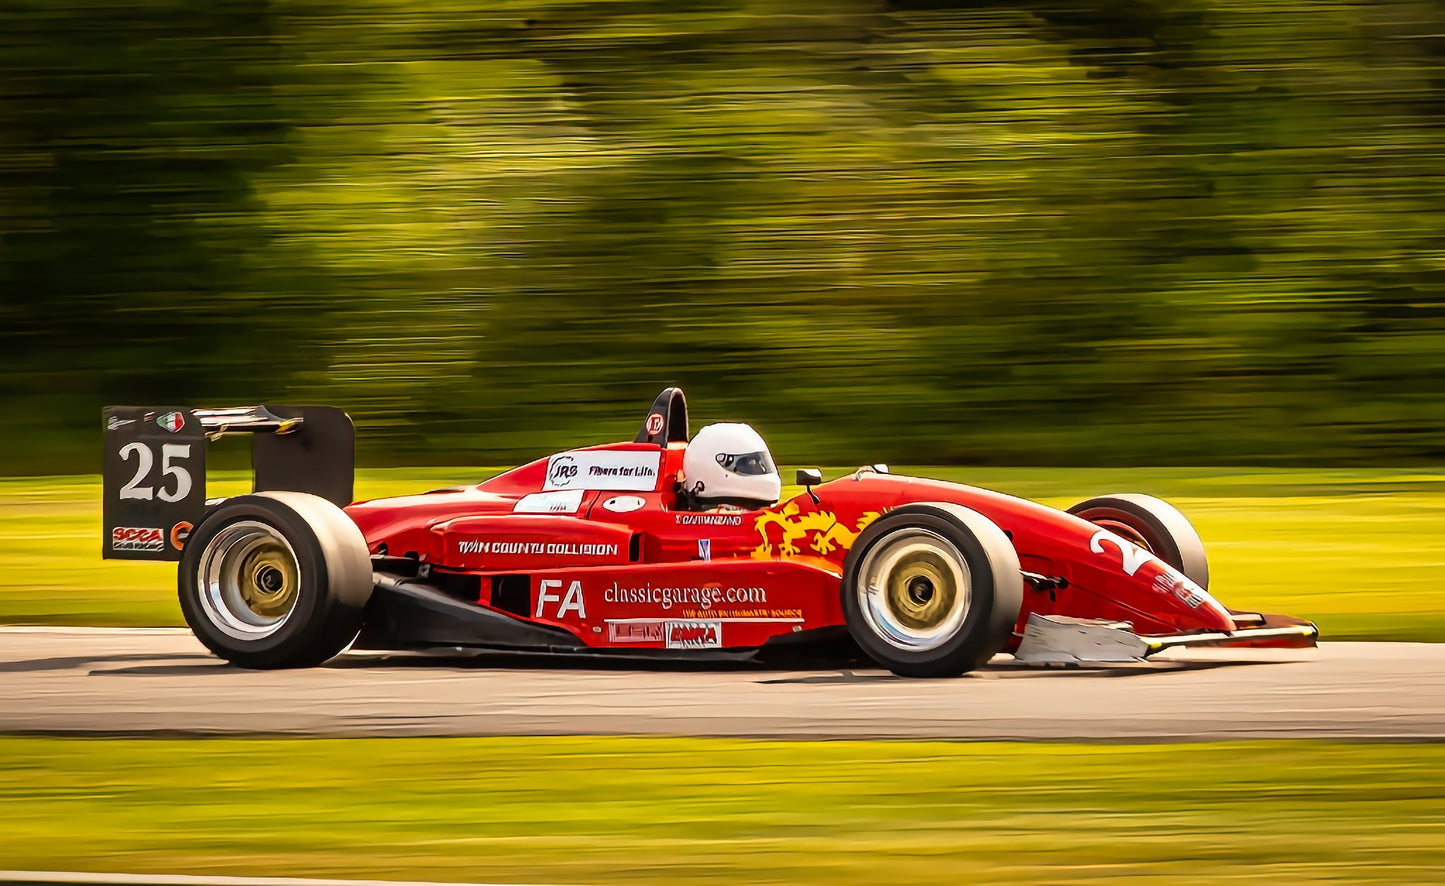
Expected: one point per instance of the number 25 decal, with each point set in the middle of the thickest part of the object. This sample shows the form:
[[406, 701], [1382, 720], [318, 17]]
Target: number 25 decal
[[145, 459], [1133, 555]]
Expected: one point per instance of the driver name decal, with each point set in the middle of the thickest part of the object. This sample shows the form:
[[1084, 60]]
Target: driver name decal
[[626, 471], [708, 519]]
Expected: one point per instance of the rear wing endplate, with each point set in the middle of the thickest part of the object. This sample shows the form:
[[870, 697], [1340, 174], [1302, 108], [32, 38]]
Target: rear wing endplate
[[154, 472]]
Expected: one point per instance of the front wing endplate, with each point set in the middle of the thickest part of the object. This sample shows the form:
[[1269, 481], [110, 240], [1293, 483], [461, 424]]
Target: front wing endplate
[[1058, 639]]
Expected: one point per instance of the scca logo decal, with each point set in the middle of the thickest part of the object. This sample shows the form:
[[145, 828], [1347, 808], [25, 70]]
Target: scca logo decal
[[563, 470], [131, 538]]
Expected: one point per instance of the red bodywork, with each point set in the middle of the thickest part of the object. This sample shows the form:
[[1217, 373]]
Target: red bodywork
[[623, 568]]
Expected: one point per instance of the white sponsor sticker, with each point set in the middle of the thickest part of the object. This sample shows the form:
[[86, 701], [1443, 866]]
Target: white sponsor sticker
[[635, 632], [629, 471], [693, 634], [624, 504], [565, 502], [704, 549]]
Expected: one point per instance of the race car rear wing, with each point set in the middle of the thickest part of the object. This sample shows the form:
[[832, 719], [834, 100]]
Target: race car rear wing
[[154, 471]]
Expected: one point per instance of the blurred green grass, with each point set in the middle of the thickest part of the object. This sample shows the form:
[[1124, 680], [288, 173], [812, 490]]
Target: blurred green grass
[[659, 810], [1359, 551]]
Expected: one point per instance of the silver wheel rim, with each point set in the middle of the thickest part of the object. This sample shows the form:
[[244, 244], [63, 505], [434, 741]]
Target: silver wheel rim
[[914, 589], [249, 580]]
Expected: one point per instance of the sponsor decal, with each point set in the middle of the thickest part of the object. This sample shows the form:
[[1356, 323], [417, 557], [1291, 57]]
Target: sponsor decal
[[1174, 584], [746, 614], [634, 632], [565, 502], [114, 423], [137, 538], [624, 504], [709, 519], [654, 424], [595, 471], [172, 421], [561, 549], [561, 470], [820, 531], [179, 533], [666, 598], [694, 634], [572, 601], [704, 549], [621, 471]]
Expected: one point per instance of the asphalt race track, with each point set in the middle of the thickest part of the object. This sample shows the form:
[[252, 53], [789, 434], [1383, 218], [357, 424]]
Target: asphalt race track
[[116, 681]]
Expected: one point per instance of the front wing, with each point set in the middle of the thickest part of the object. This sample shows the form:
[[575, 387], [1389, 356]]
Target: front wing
[[1057, 639]]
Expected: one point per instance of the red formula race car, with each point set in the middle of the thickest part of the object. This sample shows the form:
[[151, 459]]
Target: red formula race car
[[665, 545]]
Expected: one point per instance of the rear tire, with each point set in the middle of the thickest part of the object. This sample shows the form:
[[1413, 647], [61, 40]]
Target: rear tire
[[932, 590], [275, 580], [1154, 524]]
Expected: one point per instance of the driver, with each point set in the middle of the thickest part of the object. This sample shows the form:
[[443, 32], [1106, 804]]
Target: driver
[[729, 464]]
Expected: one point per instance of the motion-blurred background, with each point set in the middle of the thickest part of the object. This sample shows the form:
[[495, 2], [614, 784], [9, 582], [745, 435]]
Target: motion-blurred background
[[1192, 248], [1024, 232]]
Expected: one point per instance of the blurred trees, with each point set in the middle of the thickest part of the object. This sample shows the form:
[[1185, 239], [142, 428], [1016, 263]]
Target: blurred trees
[[1014, 232]]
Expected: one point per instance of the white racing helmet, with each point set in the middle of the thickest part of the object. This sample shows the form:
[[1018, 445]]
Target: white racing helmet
[[729, 462]]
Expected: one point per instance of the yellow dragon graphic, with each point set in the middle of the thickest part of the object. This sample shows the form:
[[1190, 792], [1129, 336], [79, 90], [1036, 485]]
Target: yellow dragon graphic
[[827, 533]]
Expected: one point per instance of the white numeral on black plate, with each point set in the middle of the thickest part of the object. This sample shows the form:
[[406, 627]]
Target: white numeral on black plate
[[145, 459]]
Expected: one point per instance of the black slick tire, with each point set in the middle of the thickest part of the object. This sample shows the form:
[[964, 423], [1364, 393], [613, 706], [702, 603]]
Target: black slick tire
[[947, 531], [330, 580]]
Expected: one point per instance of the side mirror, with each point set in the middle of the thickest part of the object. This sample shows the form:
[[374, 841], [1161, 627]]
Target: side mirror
[[808, 478]]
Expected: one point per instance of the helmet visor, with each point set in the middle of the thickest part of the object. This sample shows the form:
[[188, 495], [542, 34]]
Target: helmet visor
[[749, 464]]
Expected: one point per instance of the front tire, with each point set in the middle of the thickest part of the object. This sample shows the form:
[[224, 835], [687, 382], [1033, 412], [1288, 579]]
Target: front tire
[[1153, 524], [275, 580], [932, 590]]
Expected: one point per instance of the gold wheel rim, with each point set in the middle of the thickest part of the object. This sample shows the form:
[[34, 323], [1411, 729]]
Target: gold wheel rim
[[921, 591], [269, 580], [914, 589], [249, 580]]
